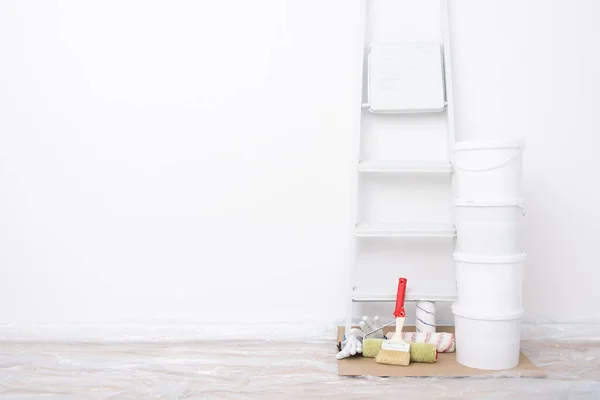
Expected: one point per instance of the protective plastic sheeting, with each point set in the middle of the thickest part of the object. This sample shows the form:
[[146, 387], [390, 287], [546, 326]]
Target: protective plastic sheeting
[[268, 369]]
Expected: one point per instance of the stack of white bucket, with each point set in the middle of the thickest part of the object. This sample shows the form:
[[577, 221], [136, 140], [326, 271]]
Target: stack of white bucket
[[489, 253]]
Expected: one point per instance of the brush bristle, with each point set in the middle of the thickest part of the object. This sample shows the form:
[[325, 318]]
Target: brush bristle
[[393, 357]]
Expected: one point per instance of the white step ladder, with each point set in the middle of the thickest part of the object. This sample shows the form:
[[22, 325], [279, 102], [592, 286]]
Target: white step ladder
[[404, 78]]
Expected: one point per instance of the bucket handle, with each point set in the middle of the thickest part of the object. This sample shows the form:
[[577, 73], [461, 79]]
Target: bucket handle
[[521, 206], [463, 168]]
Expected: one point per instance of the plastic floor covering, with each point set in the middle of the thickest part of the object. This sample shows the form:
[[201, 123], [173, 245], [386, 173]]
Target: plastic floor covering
[[265, 369]]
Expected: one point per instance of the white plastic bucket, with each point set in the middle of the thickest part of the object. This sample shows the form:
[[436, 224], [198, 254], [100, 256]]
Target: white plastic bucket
[[490, 285], [491, 342], [489, 228], [488, 170]]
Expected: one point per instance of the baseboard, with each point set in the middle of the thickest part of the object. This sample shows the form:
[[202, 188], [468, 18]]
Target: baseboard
[[206, 331], [166, 332]]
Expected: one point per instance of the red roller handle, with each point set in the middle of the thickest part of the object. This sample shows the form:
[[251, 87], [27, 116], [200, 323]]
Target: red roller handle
[[399, 311]]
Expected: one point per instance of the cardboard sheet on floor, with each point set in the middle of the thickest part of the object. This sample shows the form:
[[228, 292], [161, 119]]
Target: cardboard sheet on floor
[[446, 364]]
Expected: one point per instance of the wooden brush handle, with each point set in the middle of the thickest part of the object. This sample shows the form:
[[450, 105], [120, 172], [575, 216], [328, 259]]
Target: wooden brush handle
[[399, 311]]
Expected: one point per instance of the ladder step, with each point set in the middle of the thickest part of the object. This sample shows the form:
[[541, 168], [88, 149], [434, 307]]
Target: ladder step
[[400, 166], [376, 298], [418, 229]]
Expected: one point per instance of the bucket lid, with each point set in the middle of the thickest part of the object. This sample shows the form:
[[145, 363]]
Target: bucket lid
[[471, 258], [462, 311], [489, 144], [488, 203]]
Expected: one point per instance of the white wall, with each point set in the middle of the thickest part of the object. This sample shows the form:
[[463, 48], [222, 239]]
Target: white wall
[[561, 168], [530, 69], [190, 160], [175, 160]]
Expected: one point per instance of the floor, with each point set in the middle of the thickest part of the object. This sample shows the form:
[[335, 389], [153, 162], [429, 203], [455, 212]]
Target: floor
[[278, 370]]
